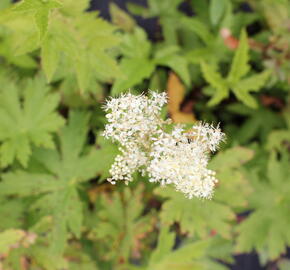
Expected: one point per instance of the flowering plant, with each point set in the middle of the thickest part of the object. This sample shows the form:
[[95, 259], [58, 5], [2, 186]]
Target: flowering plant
[[220, 60], [178, 157]]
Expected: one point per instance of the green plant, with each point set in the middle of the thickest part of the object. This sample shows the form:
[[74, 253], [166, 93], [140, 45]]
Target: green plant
[[59, 63]]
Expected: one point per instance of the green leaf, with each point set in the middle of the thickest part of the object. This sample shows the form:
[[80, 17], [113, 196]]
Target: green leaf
[[199, 28], [23, 61], [270, 203], [74, 134], [74, 211], [216, 81], [45, 260], [232, 158], [119, 222], [59, 234], [74, 8], [169, 30], [136, 64], [190, 256], [29, 122], [49, 57], [68, 215], [24, 184], [240, 66], [166, 241], [136, 44], [121, 18], [138, 10], [78, 45], [13, 211], [135, 70], [107, 152], [253, 83], [240, 87], [168, 56], [41, 9], [246, 98], [56, 187], [183, 258], [217, 9], [201, 218], [195, 216], [234, 188]]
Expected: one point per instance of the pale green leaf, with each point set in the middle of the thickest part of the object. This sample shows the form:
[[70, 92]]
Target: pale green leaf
[[136, 45], [106, 154], [234, 187], [135, 70], [73, 7], [83, 70], [74, 134], [216, 81], [121, 18], [170, 26], [68, 215], [49, 56], [187, 257], [41, 8], [74, 210], [137, 9], [253, 83], [29, 122], [23, 183], [59, 233], [196, 255], [246, 98], [64, 169], [270, 201], [231, 158], [6, 51], [82, 43]]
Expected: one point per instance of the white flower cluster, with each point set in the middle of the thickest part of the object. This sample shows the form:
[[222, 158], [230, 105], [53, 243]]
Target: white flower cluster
[[179, 157]]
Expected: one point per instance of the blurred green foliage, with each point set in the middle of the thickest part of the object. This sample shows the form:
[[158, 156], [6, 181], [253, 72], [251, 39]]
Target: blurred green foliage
[[58, 64]]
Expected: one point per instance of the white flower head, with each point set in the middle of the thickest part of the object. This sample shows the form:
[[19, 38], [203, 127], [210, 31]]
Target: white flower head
[[131, 116], [178, 158]]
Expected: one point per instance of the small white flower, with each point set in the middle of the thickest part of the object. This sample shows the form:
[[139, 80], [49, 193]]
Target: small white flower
[[179, 157]]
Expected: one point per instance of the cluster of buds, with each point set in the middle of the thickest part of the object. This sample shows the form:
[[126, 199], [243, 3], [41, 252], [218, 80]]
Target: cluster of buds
[[178, 157]]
